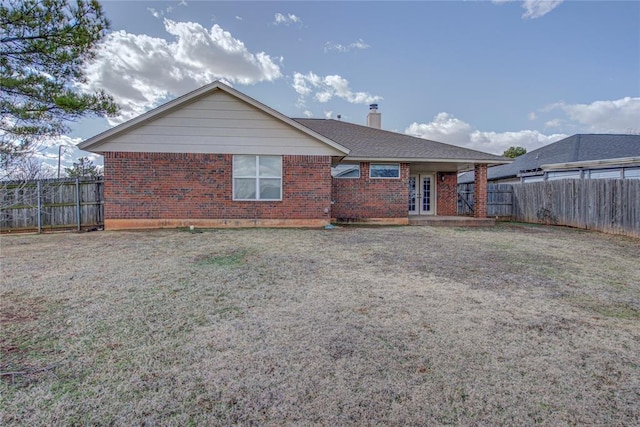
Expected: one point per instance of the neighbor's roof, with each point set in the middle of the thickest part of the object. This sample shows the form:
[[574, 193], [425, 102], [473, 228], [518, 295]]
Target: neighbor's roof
[[576, 148], [177, 103], [367, 143]]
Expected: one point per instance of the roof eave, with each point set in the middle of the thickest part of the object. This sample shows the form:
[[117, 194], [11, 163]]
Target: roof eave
[[423, 160], [623, 161]]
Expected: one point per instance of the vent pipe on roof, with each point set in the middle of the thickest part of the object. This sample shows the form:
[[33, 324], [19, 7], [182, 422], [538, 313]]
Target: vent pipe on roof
[[374, 119]]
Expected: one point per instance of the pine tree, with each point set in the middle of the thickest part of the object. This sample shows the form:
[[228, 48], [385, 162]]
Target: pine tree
[[44, 45], [83, 168]]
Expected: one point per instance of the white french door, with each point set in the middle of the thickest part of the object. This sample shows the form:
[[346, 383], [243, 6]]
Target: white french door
[[421, 190]]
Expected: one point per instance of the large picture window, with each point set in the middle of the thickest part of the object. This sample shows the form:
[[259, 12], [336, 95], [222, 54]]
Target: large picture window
[[384, 170], [257, 177]]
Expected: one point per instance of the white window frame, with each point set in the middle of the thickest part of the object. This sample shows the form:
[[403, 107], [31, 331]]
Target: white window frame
[[359, 169], [384, 177], [256, 177]]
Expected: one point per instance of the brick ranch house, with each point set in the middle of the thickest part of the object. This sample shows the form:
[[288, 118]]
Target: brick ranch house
[[218, 158]]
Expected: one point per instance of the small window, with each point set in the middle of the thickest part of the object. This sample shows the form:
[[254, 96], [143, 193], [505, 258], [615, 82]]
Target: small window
[[632, 173], [605, 173], [346, 171], [382, 170], [552, 176], [257, 177]]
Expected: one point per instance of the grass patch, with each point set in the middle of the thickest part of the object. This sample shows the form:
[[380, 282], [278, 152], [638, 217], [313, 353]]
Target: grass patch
[[462, 229], [619, 311], [365, 325], [616, 310], [232, 259]]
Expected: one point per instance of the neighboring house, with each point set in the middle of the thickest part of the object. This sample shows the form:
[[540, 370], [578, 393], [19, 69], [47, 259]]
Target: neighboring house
[[589, 156], [216, 157]]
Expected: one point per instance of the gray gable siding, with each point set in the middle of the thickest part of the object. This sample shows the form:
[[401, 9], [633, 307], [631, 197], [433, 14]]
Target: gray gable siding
[[217, 123], [213, 119]]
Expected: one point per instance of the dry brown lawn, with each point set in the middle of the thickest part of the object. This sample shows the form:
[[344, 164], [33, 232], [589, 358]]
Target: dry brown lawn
[[516, 325]]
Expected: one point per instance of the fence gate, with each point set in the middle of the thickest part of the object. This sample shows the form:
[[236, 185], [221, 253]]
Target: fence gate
[[499, 199]]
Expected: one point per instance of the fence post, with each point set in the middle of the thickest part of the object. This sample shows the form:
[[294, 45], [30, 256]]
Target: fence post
[[39, 206], [78, 202]]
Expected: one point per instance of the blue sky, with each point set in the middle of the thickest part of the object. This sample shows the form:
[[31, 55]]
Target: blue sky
[[485, 75]]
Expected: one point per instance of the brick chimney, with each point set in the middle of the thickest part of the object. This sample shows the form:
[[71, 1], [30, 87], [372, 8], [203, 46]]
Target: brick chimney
[[374, 119]]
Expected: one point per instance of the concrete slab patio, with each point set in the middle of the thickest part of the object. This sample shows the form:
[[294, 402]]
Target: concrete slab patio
[[451, 221]]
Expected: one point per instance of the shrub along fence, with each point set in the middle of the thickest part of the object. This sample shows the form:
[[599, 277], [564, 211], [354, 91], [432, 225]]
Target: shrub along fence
[[608, 205], [51, 204]]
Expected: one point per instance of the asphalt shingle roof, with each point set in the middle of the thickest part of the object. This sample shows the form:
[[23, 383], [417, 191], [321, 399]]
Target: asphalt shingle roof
[[576, 148], [368, 142]]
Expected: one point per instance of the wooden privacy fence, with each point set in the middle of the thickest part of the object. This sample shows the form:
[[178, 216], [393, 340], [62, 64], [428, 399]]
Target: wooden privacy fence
[[499, 200], [50, 204], [608, 205]]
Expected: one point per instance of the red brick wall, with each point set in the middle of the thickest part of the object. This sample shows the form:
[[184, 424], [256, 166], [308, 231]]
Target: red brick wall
[[364, 197], [447, 195], [480, 192], [199, 186]]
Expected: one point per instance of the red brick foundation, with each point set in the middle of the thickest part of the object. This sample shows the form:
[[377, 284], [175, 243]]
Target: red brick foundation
[[177, 186]]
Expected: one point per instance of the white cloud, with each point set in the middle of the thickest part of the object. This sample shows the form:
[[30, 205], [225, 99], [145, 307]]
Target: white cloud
[[307, 113], [47, 153], [497, 142], [532, 115], [155, 13], [326, 88], [537, 8], [160, 13], [534, 8], [359, 44], [616, 116], [286, 19], [140, 71], [238, 18], [555, 123], [446, 128], [328, 114], [63, 145]]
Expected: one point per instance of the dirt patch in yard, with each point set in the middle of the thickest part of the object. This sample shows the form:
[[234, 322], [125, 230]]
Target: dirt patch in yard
[[351, 326]]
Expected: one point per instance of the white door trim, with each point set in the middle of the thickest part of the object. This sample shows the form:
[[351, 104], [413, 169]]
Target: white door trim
[[422, 194]]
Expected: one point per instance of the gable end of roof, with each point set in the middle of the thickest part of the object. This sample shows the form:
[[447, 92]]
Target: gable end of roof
[[97, 140]]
